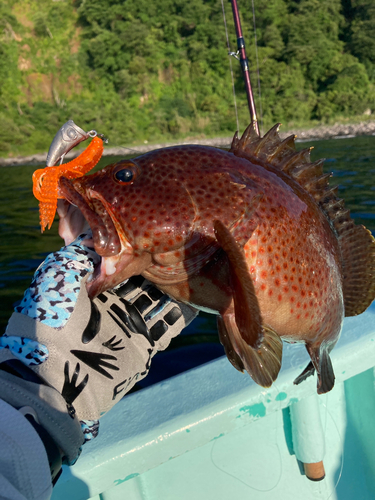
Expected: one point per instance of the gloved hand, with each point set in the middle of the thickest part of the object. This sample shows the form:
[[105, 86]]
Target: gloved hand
[[71, 359]]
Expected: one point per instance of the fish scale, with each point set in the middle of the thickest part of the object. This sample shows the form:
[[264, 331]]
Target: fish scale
[[254, 235]]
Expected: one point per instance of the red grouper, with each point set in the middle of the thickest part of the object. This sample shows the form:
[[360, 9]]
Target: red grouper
[[254, 235]]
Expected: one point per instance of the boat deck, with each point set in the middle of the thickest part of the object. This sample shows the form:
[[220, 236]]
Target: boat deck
[[212, 433]]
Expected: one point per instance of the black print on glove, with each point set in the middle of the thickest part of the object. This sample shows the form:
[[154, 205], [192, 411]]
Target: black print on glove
[[122, 386], [132, 319], [93, 326], [133, 283], [120, 324], [111, 345], [96, 361], [70, 390]]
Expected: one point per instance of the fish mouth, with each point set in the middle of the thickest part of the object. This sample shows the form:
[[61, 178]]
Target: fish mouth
[[83, 211], [105, 236]]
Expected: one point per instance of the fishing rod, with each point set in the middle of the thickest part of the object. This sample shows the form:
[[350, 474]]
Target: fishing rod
[[244, 64]]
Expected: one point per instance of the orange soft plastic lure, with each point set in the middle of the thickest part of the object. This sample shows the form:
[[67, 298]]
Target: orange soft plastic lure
[[45, 180]]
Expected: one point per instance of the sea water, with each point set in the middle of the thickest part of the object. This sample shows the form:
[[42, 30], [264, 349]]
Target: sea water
[[23, 247]]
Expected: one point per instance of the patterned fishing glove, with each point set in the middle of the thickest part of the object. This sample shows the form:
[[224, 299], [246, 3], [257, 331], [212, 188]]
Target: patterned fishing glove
[[69, 359]]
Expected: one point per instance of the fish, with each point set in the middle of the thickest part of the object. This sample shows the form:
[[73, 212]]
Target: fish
[[253, 234]]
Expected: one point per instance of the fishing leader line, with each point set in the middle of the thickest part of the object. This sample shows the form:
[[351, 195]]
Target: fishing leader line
[[274, 441], [230, 53], [277, 429], [341, 442]]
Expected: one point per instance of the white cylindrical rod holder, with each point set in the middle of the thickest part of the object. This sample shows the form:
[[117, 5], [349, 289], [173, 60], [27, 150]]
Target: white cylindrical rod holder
[[308, 436]]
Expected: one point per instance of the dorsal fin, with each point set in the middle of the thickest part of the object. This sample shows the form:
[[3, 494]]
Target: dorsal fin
[[249, 139], [356, 242]]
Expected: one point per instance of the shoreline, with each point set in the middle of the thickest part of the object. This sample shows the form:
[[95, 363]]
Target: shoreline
[[321, 132]]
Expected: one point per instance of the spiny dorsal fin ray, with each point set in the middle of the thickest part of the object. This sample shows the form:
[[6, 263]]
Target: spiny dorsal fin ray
[[247, 141], [306, 172], [268, 144], [284, 149], [295, 159], [356, 242]]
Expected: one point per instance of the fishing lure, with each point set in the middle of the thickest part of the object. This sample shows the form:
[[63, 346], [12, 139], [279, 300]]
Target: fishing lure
[[45, 180]]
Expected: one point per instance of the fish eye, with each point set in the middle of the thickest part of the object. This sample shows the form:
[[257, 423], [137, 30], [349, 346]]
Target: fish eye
[[124, 175], [125, 172]]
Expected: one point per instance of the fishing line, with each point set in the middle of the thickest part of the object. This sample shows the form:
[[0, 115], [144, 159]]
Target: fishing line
[[129, 149], [342, 447], [257, 63], [275, 442], [230, 53]]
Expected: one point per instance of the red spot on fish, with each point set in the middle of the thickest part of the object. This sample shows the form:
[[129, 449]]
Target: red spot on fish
[[279, 298], [263, 286]]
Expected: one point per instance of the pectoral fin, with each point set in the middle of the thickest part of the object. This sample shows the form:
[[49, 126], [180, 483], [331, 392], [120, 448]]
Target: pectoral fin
[[233, 357], [246, 307], [248, 343], [263, 364]]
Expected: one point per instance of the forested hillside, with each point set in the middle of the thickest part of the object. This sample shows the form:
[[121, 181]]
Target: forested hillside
[[141, 70]]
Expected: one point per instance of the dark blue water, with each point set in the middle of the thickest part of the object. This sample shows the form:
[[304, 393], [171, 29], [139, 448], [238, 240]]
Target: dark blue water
[[23, 247]]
